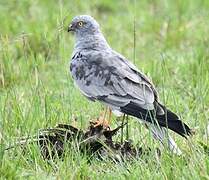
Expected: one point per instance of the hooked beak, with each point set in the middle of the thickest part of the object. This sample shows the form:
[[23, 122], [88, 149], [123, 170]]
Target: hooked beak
[[70, 28]]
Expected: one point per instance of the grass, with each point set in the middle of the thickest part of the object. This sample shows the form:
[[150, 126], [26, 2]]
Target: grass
[[36, 90]]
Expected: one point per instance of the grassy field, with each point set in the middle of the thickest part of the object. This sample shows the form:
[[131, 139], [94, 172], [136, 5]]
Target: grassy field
[[36, 90]]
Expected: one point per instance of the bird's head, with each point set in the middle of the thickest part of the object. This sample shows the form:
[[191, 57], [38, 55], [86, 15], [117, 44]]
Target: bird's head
[[87, 32], [83, 25]]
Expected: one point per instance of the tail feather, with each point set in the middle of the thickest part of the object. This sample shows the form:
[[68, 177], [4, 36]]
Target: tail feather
[[162, 135], [169, 119]]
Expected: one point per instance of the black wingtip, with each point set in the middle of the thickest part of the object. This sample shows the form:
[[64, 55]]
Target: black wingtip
[[172, 121], [169, 119]]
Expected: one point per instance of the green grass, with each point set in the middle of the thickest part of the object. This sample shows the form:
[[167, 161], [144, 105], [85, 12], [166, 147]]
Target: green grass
[[36, 90]]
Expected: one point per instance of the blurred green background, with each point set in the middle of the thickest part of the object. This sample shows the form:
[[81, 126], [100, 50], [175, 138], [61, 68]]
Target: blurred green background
[[36, 90]]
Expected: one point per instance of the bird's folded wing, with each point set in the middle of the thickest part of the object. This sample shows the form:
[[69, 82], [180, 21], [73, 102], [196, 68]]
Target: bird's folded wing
[[107, 78]]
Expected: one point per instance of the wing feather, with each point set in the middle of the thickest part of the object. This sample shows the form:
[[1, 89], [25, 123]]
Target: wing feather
[[109, 78]]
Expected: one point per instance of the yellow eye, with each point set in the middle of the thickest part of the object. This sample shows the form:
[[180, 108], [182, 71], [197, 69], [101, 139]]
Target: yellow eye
[[80, 23]]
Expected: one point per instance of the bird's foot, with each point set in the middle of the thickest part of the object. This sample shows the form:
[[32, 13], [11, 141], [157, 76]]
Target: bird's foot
[[101, 122]]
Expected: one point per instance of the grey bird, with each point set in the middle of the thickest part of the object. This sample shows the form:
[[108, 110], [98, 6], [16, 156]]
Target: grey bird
[[104, 75]]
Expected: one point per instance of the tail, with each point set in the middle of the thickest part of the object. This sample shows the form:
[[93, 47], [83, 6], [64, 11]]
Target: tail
[[162, 135], [169, 119]]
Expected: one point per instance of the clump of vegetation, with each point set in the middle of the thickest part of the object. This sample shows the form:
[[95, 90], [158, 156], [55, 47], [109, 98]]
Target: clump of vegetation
[[97, 142]]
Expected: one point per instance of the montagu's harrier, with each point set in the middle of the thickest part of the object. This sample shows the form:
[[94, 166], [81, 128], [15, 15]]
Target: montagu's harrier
[[104, 75]]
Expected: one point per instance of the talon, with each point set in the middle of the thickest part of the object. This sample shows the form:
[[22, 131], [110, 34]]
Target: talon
[[102, 121]]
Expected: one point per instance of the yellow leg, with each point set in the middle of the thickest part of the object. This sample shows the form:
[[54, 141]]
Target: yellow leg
[[108, 121]]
